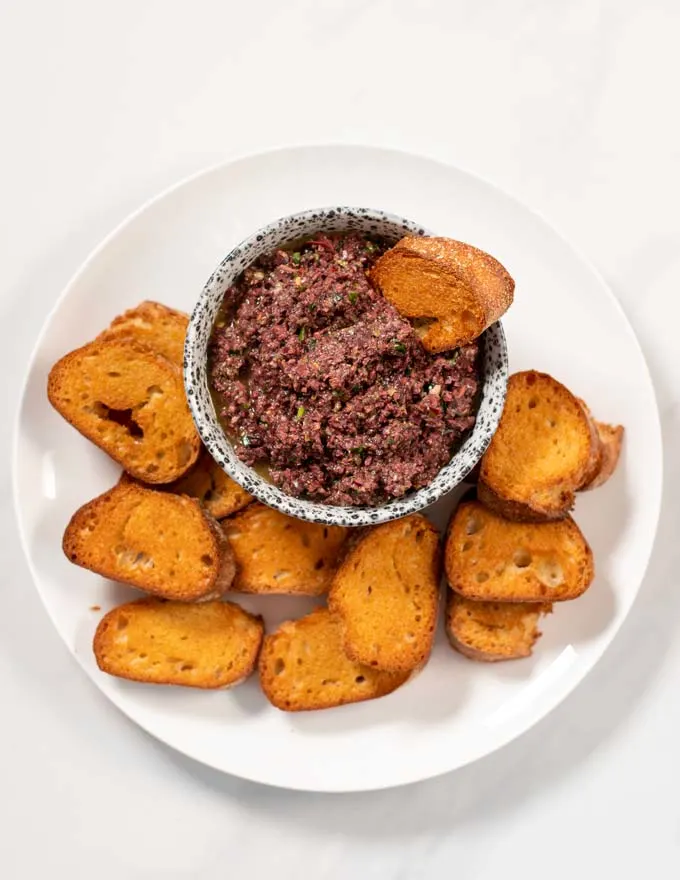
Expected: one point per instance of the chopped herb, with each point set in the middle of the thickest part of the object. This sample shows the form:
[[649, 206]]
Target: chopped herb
[[300, 413], [370, 247], [353, 296], [360, 451], [312, 307], [311, 344], [400, 347], [245, 406], [296, 258], [301, 334], [337, 298], [234, 351], [245, 440], [342, 263]]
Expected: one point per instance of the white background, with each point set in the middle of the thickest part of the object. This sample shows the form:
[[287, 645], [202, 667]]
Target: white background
[[570, 106]]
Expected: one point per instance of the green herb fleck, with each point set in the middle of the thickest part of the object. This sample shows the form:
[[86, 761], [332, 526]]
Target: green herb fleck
[[301, 334], [360, 451], [400, 347], [300, 413], [370, 247], [353, 296], [312, 307], [296, 258], [245, 440]]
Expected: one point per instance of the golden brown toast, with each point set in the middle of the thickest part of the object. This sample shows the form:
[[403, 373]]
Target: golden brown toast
[[386, 594], [160, 328], [541, 453], [207, 482], [492, 631], [163, 544], [129, 401], [454, 290], [303, 666], [488, 558], [611, 440], [211, 645], [276, 553]]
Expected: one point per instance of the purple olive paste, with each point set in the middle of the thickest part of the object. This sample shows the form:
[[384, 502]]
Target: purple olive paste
[[319, 379]]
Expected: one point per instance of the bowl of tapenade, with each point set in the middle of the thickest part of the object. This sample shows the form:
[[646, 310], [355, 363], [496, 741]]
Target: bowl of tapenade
[[345, 367]]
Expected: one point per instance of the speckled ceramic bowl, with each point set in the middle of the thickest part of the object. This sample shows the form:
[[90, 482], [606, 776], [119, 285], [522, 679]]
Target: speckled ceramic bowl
[[281, 233]]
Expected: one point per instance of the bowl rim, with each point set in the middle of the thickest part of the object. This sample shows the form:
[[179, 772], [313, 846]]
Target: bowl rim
[[267, 492]]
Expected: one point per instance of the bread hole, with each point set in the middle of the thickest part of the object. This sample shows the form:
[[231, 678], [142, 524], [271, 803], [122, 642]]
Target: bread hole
[[550, 573], [419, 536], [186, 667], [287, 527], [473, 526], [304, 537], [282, 573], [407, 589], [154, 391], [374, 662], [551, 423], [122, 417], [160, 454], [466, 546], [151, 468], [122, 622], [369, 589], [183, 452], [325, 532], [113, 374], [319, 564], [532, 403], [143, 656], [410, 637], [299, 661], [328, 681], [184, 638], [418, 618], [279, 666], [500, 569], [360, 679], [482, 576], [207, 559], [531, 379], [522, 558], [163, 435]]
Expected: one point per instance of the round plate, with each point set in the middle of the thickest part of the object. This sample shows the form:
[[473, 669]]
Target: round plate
[[564, 321]]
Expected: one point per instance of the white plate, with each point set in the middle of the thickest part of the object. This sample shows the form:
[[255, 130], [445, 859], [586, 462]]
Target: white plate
[[564, 321]]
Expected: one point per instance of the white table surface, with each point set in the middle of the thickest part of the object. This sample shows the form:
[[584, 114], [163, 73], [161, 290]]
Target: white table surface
[[572, 107]]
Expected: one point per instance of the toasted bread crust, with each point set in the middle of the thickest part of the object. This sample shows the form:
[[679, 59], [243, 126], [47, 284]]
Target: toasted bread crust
[[455, 288], [611, 439], [386, 595], [280, 554], [163, 544], [303, 667], [488, 558], [545, 446], [130, 402], [491, 632], [211, 645], [207, 482], [159, 327]]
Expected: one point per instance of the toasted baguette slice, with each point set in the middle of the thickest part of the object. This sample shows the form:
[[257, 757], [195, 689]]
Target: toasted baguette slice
[[541, 453], [492, 631], [611, 440], [489, 558], [302, 666], [386, 594], [276, 553], [157, 326], [129, 401], [207, 482], [212, 645], [456, 290], [160, 543]]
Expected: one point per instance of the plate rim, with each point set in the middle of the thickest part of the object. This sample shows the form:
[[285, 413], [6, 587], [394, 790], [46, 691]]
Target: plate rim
[[557, 695]]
